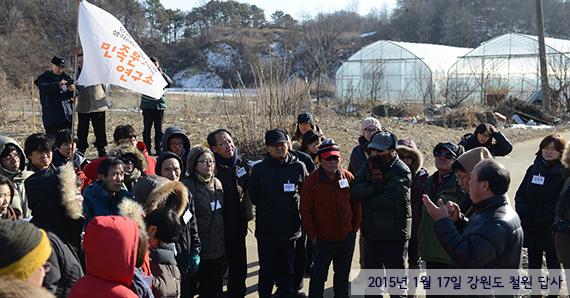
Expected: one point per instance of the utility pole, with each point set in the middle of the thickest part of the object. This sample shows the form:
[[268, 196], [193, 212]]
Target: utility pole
[[542, 57]]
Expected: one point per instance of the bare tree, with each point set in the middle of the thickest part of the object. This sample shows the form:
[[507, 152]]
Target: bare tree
[[320, 50]]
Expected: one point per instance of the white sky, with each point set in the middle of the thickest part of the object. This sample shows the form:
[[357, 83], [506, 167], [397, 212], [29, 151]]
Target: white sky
[[299, 9]]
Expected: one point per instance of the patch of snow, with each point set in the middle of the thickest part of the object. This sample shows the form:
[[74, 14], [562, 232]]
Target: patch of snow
[[526, 126], [207, 80], [212, 92], [224, 57], [366, 34]]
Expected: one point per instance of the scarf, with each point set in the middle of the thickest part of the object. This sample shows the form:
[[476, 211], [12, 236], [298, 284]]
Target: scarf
[[228, 162], [204, 179]]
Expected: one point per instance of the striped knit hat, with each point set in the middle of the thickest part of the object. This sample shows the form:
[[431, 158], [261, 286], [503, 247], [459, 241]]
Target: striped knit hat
[[24, 248]]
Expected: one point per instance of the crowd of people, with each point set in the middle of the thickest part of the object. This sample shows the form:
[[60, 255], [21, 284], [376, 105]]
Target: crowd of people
[[130, 224]]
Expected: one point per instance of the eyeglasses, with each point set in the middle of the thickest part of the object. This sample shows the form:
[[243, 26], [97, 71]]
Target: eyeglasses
[[206, 161], [371, 130], [47, 266]]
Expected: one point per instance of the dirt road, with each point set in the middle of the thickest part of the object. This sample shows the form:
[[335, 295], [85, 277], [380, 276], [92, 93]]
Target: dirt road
[[517, 163]]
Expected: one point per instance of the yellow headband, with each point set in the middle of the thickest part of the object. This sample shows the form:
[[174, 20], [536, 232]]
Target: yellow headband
[[28, 264]]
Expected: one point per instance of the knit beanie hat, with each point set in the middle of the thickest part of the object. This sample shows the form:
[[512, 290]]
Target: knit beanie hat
[[328, 148], [24, 247], [370, 121], [145, 185], [472, 157], [164, 156]]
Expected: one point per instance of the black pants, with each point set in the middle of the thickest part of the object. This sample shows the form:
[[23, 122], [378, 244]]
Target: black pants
[[301, 259], [535, 259], [340, 254], [97, 119], [150, 118], [413, 253], [384, 254], [379, 254], [276, 262], [210, 277], [236, 257], [51, 130]]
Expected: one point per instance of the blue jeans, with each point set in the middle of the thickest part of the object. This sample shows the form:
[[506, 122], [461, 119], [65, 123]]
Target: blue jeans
[[340, 254]]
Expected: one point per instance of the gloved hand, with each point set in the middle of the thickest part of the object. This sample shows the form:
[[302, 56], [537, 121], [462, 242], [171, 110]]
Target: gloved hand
[[193, 263]]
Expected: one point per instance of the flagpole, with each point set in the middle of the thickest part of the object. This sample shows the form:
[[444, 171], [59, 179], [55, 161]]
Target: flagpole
[[74, 101]]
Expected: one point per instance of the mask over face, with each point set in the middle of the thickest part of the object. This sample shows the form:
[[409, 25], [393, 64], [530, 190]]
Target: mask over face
[[381, 161]]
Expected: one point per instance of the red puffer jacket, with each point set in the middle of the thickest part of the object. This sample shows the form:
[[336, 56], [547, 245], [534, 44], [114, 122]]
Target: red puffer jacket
[[110, 255]]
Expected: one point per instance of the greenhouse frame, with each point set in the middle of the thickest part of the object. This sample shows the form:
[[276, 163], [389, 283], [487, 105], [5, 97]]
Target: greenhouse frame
[[396, 71], [507, 66]]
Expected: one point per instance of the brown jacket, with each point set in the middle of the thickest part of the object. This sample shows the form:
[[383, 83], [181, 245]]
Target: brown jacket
[[165, 272], [327, 211]]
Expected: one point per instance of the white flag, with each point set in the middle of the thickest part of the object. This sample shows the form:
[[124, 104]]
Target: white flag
[[111, 56]]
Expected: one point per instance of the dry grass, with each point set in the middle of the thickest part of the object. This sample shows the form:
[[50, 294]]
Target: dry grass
[[246, 116]]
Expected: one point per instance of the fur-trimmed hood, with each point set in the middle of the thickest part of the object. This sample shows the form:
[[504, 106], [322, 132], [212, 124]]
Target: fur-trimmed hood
[[417, 157], [131, 209], [172, 194], [566, 156], [53, 188], [52, 199], [127, 149]]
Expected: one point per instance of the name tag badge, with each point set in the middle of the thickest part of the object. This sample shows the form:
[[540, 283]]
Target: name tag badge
[[343, 183], [288, 187], [240, 172], [187, 216], [538, 180], [215, 205]]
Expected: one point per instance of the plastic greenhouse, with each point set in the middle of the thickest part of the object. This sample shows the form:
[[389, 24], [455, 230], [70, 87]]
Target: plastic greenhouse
[[396, 71], [505, 66]]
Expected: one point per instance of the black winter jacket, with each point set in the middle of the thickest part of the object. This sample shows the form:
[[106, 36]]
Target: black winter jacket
[[65, 268], [501, 147], [52, 98], [277, 210], [386, 210], [491, 238], [209, 205], [237, 206], [188, 244], [305, 158], [535, 203]]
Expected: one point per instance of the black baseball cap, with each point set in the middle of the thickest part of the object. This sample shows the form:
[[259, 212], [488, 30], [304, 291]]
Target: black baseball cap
[[59, 61], [275, 136]]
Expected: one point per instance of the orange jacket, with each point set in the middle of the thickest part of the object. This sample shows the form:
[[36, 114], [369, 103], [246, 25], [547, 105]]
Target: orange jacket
[[327, 211]]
